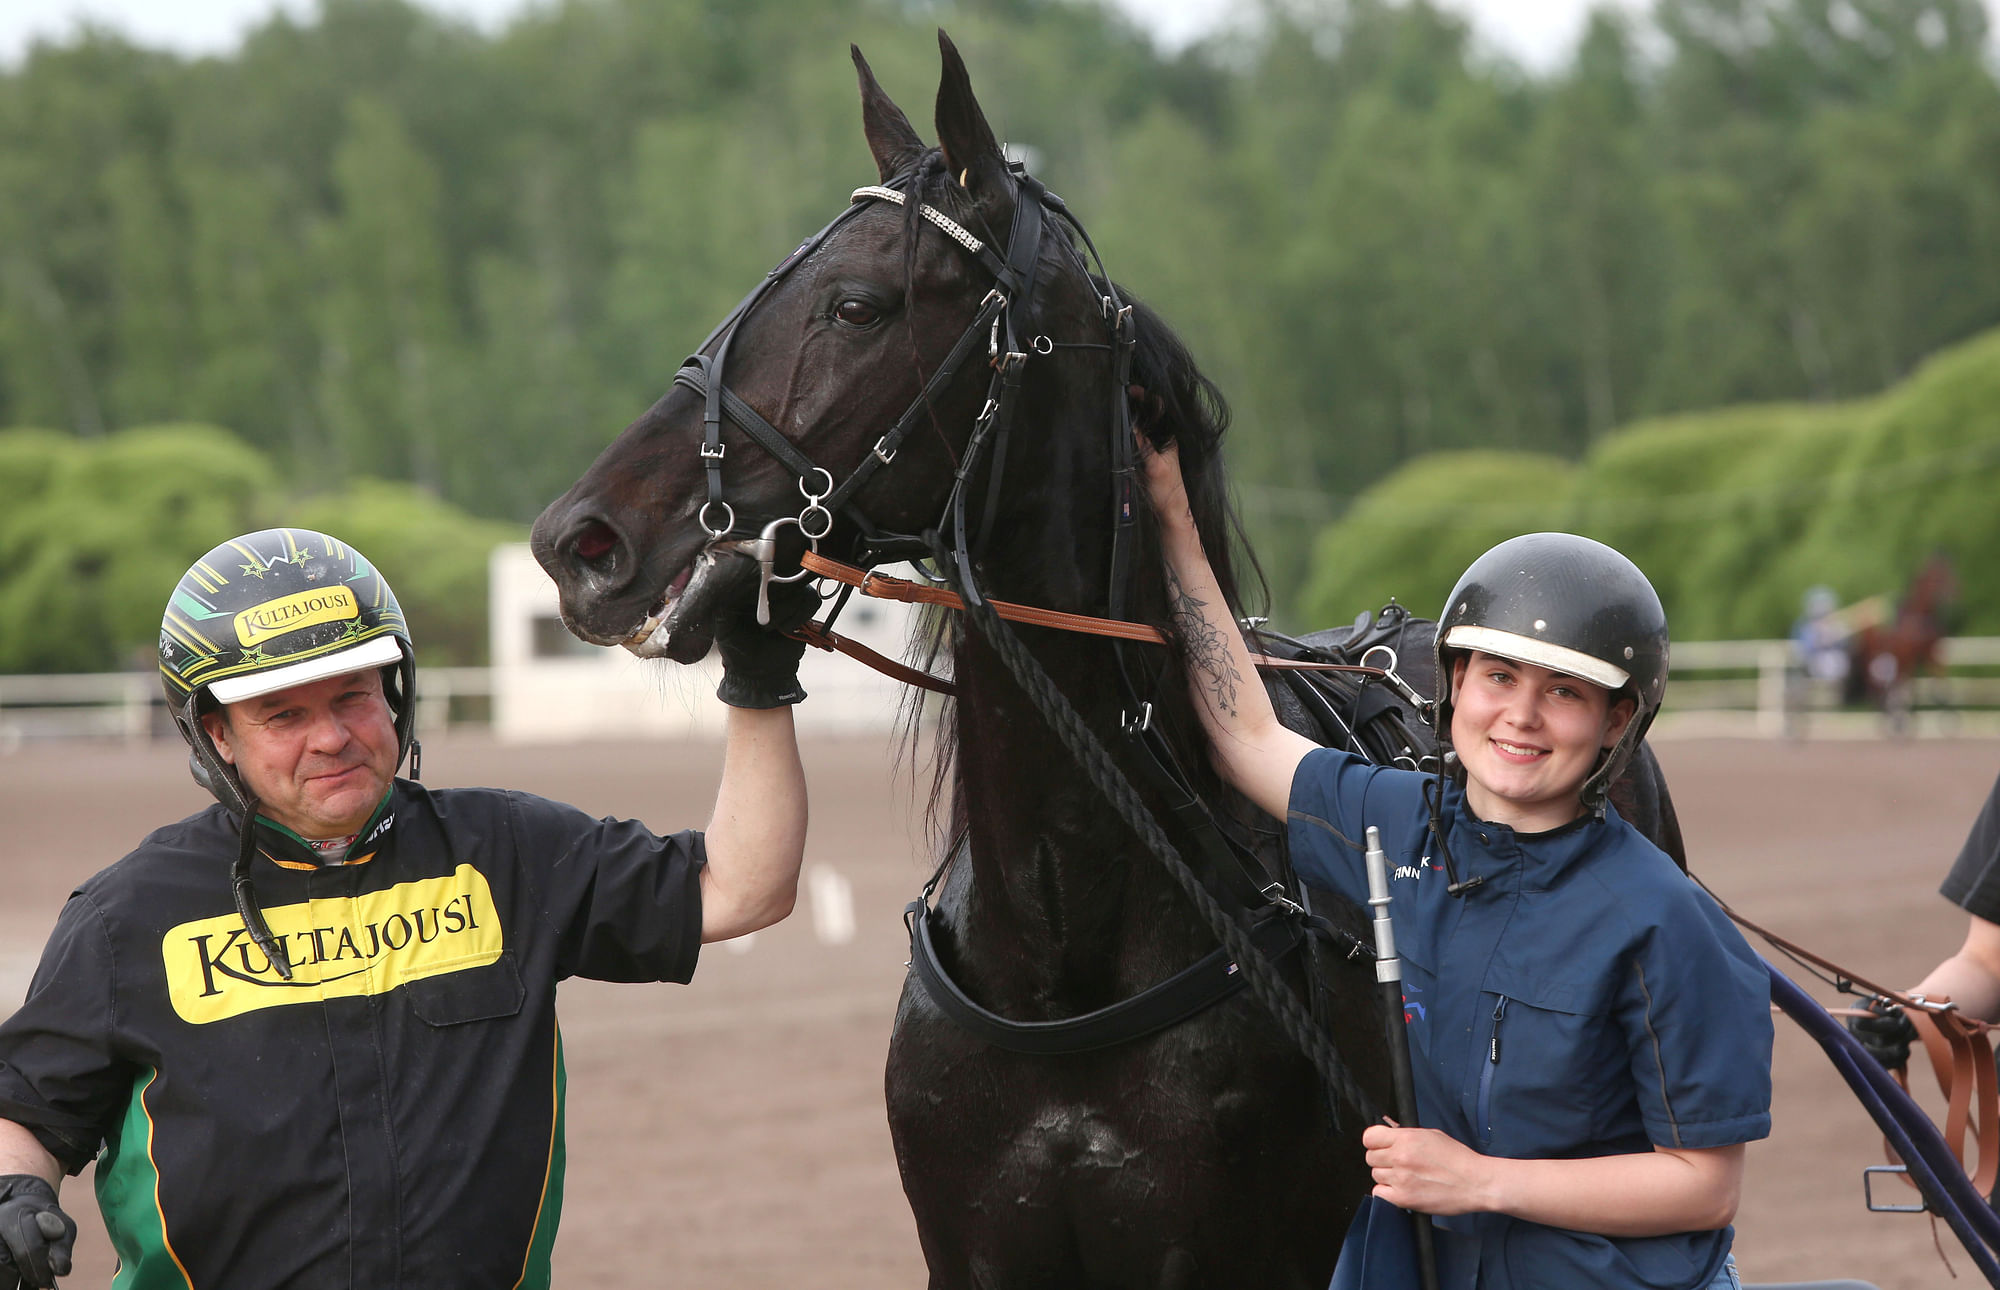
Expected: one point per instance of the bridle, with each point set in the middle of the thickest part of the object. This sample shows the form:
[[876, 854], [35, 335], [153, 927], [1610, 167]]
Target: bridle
[[998, 322], [1256, 918]]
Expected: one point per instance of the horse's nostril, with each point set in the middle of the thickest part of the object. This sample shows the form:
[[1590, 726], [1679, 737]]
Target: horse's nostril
[[594, 541]]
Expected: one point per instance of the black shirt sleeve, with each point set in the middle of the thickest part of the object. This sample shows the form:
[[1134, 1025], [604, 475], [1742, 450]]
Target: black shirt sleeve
[[624, 902], [1974, 881], [60, 1075]]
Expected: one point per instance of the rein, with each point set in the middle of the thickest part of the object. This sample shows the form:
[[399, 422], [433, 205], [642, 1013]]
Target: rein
[[1960, 1054], [881, 586]]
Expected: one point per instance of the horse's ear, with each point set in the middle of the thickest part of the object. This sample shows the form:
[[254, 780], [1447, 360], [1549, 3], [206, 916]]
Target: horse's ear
[[970, 151], [890, 135]]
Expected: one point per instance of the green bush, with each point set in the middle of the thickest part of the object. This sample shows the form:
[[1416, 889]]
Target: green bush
[[1733, 513], [433, 554], [1410, 536], [91, 553], [95, 532]]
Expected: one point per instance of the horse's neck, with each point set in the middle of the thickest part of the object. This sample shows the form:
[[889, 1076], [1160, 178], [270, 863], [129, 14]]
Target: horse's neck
[[1051, 862]]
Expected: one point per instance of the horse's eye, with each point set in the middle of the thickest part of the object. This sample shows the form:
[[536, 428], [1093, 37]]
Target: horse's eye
[[856, 313]]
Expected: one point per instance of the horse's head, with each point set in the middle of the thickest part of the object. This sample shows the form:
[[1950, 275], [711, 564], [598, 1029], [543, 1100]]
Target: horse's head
[[793, 395]]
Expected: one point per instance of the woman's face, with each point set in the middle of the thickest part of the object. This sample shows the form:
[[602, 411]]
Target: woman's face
[[1528, 738]]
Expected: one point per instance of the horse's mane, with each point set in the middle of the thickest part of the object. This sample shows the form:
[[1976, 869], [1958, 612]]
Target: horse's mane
[[1179, 405]]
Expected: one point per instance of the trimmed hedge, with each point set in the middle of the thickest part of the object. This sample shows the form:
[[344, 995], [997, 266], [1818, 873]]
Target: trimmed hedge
[[95, 532], [1733, 513]]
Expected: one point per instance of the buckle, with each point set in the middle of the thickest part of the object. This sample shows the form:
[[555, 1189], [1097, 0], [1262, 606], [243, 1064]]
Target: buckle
[[1884, 1207], [713, 451], [1140, 724], [1275, 893]]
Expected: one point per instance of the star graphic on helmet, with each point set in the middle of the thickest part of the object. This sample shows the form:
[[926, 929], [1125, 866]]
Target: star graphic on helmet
[[256, 654], [352, 630], [256, 570]]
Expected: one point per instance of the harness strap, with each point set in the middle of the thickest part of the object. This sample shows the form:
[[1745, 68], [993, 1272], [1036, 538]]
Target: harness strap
[[1207, 981], [1960, 1054], [820, 637], [1962, 1060], [882, 586]]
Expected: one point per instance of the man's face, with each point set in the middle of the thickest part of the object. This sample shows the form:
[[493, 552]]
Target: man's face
[[318, 756]]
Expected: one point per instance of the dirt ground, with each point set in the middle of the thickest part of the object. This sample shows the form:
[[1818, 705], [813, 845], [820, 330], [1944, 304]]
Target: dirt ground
[[731, 1133]]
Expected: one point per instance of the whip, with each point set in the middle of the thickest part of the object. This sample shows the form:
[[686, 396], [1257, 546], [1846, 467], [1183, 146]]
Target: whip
[[1389, 972]]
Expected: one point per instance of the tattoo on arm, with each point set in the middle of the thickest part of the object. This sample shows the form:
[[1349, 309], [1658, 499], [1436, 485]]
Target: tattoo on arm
[[1207, 648]]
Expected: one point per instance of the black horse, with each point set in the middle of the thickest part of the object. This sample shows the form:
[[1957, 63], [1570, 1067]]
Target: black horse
[[1207, 1153]]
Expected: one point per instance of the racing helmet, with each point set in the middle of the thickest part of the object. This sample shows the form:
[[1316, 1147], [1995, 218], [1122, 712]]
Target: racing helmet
[[1566, 603], [270, 610]]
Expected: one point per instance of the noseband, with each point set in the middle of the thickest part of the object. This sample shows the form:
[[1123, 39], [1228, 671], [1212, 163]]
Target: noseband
[[998, 321]]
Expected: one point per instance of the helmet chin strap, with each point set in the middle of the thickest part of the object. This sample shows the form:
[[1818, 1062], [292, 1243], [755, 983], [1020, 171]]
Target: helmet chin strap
[[212, 772], [246, 895]]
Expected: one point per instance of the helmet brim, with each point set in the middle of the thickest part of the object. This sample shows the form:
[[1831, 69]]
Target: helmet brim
[[379, 652], [1526, 649]]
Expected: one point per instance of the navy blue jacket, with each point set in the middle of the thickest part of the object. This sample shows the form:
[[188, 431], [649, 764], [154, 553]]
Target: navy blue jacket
[[1586, 999]]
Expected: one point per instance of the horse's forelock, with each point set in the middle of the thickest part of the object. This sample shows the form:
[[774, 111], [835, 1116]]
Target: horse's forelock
[[1192, 412]]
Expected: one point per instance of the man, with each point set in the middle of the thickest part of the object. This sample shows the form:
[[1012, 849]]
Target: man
[[340, 1067]]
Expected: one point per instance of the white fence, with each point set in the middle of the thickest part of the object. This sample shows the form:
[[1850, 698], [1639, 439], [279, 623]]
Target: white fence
[[129, 706], [1734, 687]]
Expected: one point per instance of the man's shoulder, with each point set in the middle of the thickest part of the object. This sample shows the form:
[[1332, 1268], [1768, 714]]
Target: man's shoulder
[[194, 850]]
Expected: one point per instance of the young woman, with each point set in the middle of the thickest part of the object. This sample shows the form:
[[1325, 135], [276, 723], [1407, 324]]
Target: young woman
[[1591, 1037]]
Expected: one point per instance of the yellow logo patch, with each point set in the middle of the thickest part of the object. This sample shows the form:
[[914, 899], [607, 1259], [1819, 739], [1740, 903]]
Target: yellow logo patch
[[359, 945], [305, 609]]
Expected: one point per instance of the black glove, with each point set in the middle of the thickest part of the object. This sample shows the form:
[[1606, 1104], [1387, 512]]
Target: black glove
[[760, 665], [36, 1237], [1886, 1033]]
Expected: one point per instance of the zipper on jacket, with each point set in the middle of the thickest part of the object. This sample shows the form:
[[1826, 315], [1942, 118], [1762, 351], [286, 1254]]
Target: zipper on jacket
[[1486, 1072]]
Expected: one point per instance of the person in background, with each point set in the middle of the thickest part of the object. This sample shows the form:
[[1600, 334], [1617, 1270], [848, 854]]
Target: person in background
[[309, 1034]]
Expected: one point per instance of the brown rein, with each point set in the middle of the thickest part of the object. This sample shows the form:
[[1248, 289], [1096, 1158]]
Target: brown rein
[[1960, 1054], [881, 586]]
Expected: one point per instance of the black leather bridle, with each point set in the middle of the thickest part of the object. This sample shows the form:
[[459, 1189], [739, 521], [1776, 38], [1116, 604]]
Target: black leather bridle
[[998, 322], [1278, 923]]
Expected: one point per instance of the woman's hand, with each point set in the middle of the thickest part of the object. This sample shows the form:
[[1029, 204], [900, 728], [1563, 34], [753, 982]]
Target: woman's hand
[[1164, 485], [1427, 1171]]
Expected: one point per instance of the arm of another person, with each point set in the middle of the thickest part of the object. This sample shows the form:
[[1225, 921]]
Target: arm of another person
[[1252, 751], [1652, 1193], [756, 839], [1971, 977]]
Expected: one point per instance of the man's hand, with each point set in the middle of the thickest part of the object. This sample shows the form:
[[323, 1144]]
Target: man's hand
[[36, 1237], [1886, 1033], [760, 665]]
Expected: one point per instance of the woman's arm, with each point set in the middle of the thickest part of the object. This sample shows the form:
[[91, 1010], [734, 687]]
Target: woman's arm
[[1251, 750], [1652, 1193]]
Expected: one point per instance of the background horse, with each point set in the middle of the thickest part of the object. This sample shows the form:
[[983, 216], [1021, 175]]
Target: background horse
[[1886, 657], [1206, 1153]]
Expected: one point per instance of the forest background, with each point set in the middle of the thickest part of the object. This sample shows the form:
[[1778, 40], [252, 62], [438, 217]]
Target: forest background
[[1712, 290]]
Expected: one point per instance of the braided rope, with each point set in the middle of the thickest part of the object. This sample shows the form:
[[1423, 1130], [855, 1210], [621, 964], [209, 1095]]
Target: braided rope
[[1090, 753]]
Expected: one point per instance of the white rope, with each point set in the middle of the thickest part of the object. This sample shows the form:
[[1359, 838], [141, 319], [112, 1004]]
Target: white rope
[[952, 228]]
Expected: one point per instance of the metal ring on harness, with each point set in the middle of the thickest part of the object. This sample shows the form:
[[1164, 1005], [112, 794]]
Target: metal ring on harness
[[1395, 678], [701, 518]]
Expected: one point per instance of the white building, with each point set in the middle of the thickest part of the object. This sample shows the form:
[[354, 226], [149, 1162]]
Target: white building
[[548, 686]]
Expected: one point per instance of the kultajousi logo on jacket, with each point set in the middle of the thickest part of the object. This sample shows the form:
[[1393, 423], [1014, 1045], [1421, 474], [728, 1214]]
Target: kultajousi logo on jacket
[[359, 945]]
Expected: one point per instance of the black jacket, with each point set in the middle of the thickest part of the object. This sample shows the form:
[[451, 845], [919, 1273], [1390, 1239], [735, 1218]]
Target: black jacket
[[392, 1116]]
